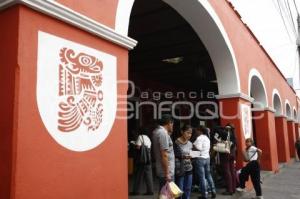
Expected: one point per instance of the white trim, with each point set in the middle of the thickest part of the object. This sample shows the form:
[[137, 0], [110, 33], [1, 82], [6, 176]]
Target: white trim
[[294, 110], [287, 102], [271, 109], [275, 92], [290, 120], [123, 16], [76, 19], [264, 109], [236, 95], [6, 3], [254, 72], [214, 38], [219, 24], [281, 116]]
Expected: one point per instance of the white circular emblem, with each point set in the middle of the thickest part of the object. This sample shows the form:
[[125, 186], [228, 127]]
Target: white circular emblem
[[76, 92]]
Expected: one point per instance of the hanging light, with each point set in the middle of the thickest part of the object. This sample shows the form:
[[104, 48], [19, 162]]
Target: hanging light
[[173, 60]]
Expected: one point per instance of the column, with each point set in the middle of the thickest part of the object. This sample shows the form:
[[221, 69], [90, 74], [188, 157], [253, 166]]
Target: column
[[74, 145], [282, 139], [8, 85], [292, 137], [264, 121], [297, 130], [230, 112]]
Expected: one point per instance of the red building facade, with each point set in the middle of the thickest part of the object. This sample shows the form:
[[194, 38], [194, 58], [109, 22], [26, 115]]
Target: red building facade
[[38, 162]]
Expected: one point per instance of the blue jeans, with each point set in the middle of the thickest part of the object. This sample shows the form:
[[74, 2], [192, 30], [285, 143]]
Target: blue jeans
[[203, 172], [185, 184]]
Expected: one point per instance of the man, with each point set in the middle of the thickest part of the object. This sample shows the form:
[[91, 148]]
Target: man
[[163, 150], [297, 146], [252, 156]]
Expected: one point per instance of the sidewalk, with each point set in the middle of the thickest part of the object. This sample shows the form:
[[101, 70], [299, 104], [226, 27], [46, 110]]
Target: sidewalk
[[283, 185]]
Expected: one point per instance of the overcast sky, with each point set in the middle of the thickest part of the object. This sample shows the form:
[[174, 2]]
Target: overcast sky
[[264, 19]]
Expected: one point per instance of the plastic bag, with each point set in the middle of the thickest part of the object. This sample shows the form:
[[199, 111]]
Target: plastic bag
[[174, 189], [165, 192]]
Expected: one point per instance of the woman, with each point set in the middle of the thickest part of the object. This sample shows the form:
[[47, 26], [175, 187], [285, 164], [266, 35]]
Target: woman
[[227, 160], [202, 144], [143, 171], [183, 164]]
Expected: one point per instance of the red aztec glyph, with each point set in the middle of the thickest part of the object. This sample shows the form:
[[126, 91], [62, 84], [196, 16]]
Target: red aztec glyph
[[80, 93]]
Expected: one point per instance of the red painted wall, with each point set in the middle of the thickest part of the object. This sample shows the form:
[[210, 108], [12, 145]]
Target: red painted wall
[[44, 169], [230, 111], [266, 139], [103, 11], [297, 130], [8, 85], [282, 139], [292, 138]]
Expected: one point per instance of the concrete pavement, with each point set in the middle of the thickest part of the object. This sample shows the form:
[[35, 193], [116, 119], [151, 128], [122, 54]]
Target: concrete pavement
[[283, 185]]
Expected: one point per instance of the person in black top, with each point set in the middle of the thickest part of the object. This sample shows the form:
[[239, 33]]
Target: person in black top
[[227, 160], [297, 145]]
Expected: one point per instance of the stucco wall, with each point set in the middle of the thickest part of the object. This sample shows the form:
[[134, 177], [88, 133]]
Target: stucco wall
[[43, 168], [8, 87], [102, 11]]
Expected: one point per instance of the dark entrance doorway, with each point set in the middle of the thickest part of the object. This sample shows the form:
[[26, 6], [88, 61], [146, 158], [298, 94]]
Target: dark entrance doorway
[[170, 65]]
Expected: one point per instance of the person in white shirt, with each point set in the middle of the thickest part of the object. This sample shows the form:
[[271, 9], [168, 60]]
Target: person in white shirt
[[143, 172], [202, 144], [252, 156]]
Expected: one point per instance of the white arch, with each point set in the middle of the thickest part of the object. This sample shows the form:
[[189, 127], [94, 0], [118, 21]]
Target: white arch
[[277, 105], [288, 110], [259, 93], [294, 113], [206, 23], [123, 16]]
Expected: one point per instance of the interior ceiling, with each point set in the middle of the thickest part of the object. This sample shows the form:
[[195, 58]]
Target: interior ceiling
[[162, 34]]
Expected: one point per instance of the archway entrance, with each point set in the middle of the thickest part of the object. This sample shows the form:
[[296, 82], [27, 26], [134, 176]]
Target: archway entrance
[[172, 70], [258, 92], [291, 128], [263, 122], [281, 129], [170, 64]]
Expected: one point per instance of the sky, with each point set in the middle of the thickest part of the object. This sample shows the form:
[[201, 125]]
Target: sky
[[278, 38]]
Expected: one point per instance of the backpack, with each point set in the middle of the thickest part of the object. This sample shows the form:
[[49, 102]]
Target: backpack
[[143, 154]]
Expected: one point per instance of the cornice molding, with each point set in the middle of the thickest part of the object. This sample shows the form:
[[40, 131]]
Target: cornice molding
[[281, 115], [236, 95], [63, 13], [290, 120], [264, 109]]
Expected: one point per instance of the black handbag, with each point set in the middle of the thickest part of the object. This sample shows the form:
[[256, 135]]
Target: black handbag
[[144, 154]]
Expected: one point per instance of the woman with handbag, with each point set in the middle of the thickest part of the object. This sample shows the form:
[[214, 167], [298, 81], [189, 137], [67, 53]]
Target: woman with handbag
[[143, 169], [183, 164], [228, 157]]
